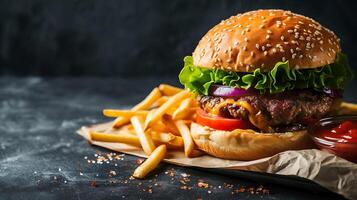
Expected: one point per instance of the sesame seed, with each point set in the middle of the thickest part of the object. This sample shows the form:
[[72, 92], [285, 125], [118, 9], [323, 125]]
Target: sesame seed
[[292, 50], [321, 41], [269, 31], [257, 46], [293, 55], [261, 26], [290, 31], [301, 56], [268, 45], [244, 48], [246, 39], [267, 37], [236, 43], [274, 50], [282, 38], [252, 53], [283, 59], [265, 53], [263, 48]]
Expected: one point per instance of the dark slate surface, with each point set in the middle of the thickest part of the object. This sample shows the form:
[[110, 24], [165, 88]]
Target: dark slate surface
[[120, 38], [41, 157]]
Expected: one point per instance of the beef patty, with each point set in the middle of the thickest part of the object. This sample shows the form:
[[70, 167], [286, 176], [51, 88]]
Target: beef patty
[[289, 110]]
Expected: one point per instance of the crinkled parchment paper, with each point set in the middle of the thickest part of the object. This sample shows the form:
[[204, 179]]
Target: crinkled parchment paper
[[331, 172]]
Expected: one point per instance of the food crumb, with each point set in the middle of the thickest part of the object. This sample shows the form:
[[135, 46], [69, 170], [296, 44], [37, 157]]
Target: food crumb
[[112, 172], [170, 173], [139, 161], [202, 184], [93, 184]]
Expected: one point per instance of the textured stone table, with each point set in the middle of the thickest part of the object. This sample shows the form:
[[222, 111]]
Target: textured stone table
[[41, 157]]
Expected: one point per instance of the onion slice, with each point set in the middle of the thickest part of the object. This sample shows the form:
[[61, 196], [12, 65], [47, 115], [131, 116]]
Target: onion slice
[[226, 91], [333, 92]]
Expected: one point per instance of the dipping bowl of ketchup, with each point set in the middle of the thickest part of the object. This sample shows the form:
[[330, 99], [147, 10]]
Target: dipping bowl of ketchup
[[337, 136]]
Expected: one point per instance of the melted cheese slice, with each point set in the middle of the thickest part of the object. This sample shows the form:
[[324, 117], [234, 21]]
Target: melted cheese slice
[[255, 117]]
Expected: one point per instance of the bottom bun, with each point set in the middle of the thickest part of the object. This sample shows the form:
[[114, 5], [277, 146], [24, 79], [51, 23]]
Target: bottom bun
[[242, 144]]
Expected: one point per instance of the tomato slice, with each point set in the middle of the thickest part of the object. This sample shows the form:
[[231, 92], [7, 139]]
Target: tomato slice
[[221, 123]]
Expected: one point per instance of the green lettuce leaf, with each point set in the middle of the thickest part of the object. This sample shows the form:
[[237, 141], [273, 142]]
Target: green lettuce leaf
[[279, 79]]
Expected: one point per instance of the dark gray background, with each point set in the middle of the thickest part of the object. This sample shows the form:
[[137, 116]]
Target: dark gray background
[[132, 38]]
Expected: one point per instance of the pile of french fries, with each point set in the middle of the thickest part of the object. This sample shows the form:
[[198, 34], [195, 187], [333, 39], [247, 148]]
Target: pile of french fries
[[160, 122]]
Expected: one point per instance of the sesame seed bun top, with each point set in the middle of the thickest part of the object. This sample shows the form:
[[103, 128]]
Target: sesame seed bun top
[[261, 38]]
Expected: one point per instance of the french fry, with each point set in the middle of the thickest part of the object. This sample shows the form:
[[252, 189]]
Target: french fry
[[162, 137], [161, 100], [145, 138], [176, 143], [172, 141], [145, 104], [182, 111], [151, 162], [170, 111], [170, 124], [121, 138], [186, 136], [173, 101], [124, 113], [347, 109], [169, 90], [159, 127]]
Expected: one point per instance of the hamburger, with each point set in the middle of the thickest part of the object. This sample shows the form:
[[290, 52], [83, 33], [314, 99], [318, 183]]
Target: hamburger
[[261, 78]]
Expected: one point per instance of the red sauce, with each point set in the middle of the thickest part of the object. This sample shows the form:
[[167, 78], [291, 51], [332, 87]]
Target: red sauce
[[340, 140]]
